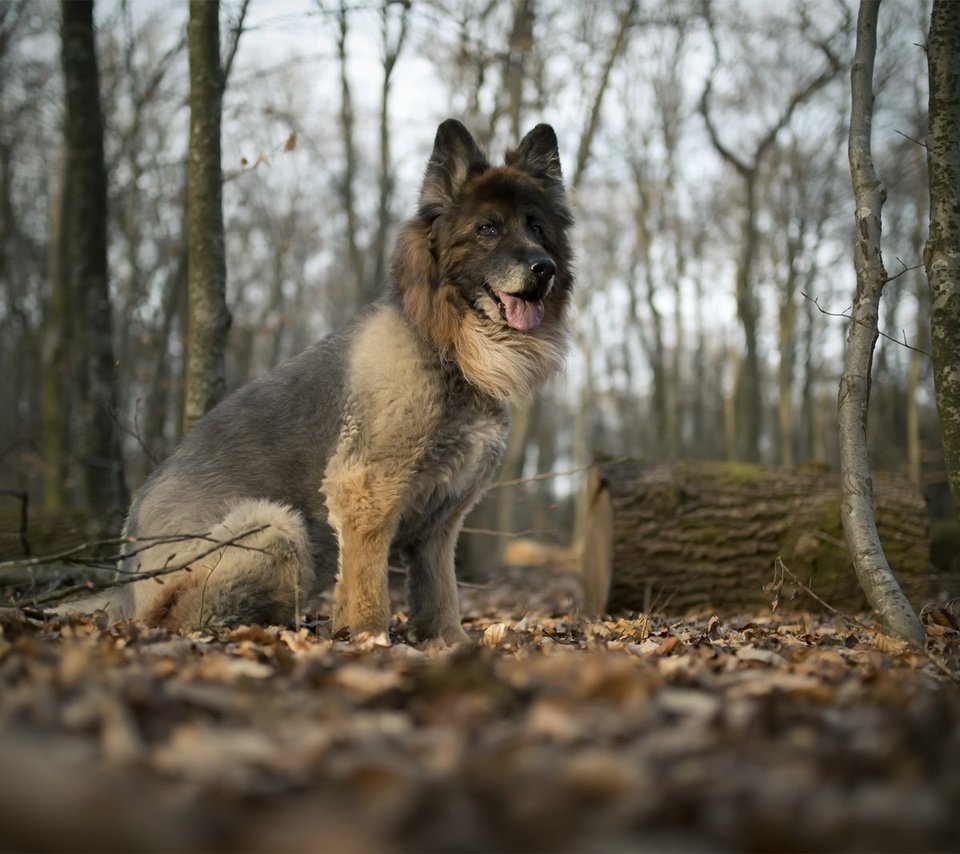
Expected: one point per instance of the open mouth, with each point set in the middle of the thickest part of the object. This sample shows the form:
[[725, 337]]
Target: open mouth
[[517, 310]]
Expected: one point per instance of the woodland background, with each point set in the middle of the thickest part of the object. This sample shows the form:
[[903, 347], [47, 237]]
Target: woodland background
[[705, 149]]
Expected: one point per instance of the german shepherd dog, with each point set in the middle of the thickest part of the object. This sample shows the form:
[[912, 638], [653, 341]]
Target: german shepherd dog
[[376, 441]]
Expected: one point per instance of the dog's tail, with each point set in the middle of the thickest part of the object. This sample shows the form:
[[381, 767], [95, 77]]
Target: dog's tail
[[261, 574]]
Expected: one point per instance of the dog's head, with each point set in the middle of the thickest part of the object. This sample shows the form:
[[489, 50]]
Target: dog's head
[[488, 252]]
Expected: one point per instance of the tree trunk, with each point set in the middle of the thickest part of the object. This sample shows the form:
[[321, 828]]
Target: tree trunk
[[510, 498], [391, 53], [361, 295], [921, 293], [86, 254], [857, 510], [515, 73], [208, 317], [55, 409], [786, 334], [581, 426], [707, 535], [942, 255], [625, 21], [749, 404]]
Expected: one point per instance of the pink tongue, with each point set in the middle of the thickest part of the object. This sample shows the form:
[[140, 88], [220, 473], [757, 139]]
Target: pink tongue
[[522, 314]]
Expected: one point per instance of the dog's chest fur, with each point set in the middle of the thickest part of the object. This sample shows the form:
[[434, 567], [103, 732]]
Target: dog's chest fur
[[413, 421]]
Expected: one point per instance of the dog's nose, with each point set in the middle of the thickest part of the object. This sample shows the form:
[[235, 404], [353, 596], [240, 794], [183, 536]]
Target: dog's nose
[[542, 267]]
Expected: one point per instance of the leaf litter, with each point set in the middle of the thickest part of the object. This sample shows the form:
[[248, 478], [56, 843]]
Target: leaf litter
[[767, 731]]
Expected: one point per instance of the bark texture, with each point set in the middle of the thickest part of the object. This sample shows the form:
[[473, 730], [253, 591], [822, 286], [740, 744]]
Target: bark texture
[[857, 509], [55, 409], [85, 235], [942, 256], [671, 537], [208, 317]]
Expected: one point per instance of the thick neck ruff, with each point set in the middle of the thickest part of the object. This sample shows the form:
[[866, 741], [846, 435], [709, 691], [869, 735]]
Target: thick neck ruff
[[500, 362]]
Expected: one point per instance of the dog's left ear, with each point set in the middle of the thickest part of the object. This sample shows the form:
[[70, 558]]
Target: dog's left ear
[[538, 154]]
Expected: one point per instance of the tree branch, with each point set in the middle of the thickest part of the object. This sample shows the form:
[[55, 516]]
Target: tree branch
[[237, 31], [185, 565], [845, 314]]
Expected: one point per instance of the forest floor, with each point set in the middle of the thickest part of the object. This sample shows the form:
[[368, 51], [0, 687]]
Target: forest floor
[[774, 731]]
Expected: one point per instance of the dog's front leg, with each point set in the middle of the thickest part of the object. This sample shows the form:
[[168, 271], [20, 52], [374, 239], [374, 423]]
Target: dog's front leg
[[432, 584], [363, 509]]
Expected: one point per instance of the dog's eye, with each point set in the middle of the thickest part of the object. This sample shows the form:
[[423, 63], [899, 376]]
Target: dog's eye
[[536, 228], [487, 229]]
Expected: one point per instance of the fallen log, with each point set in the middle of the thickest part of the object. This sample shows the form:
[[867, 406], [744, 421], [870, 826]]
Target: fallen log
[[707, 535]]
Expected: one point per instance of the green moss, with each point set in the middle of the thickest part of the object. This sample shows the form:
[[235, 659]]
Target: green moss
[[702, 531], [830, 522], [742, 472]]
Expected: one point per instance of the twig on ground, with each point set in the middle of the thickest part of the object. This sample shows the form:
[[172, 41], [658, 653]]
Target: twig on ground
[[93, 586]]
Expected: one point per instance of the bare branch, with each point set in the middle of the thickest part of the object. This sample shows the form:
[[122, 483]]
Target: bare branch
[[845, 314], [185, 565], [550, 474], [616, 48], [70, 555], [237, 31], [911, 139]]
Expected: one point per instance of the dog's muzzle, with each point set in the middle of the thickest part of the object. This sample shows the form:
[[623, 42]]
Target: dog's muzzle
[[524, 309]]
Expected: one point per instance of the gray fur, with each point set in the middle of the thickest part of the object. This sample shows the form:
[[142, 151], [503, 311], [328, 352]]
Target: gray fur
[[375, 441]]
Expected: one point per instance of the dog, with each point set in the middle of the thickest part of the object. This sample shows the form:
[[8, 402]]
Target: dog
[[376, 441]]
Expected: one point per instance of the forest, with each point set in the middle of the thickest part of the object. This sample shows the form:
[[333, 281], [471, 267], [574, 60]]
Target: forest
[[691, 342], [711, 589]]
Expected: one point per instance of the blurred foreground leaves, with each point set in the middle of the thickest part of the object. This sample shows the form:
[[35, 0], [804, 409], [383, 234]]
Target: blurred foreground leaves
[[786, 731]]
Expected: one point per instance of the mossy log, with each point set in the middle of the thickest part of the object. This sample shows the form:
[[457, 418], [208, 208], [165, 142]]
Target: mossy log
[[707, 535]]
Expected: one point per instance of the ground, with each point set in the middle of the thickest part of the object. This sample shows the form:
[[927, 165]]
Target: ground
[[770, 731]]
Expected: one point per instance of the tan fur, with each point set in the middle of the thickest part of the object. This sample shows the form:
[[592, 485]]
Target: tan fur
[[504, 367], [261, 577], [371, 479]]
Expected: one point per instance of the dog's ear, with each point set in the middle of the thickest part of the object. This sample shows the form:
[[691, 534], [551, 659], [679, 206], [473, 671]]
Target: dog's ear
[[456, 157], [538, 154]]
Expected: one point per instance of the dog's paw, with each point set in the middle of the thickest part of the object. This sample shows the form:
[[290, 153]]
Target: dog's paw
[[449, 638], [365, 636], [370, 640]]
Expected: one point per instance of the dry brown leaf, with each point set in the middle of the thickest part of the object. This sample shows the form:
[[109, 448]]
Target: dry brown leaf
[[759, 732], [365, 681], [494, 634], [885, 643], [667, 646]]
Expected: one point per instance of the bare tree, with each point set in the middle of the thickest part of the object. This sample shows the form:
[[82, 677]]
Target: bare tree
[[625, 21], [85, 233], [942, 254], [56, 389], [748, 404], [208, 317], [802, 190], [348, 180], [581, 431], [857, 511], [391, 46]]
